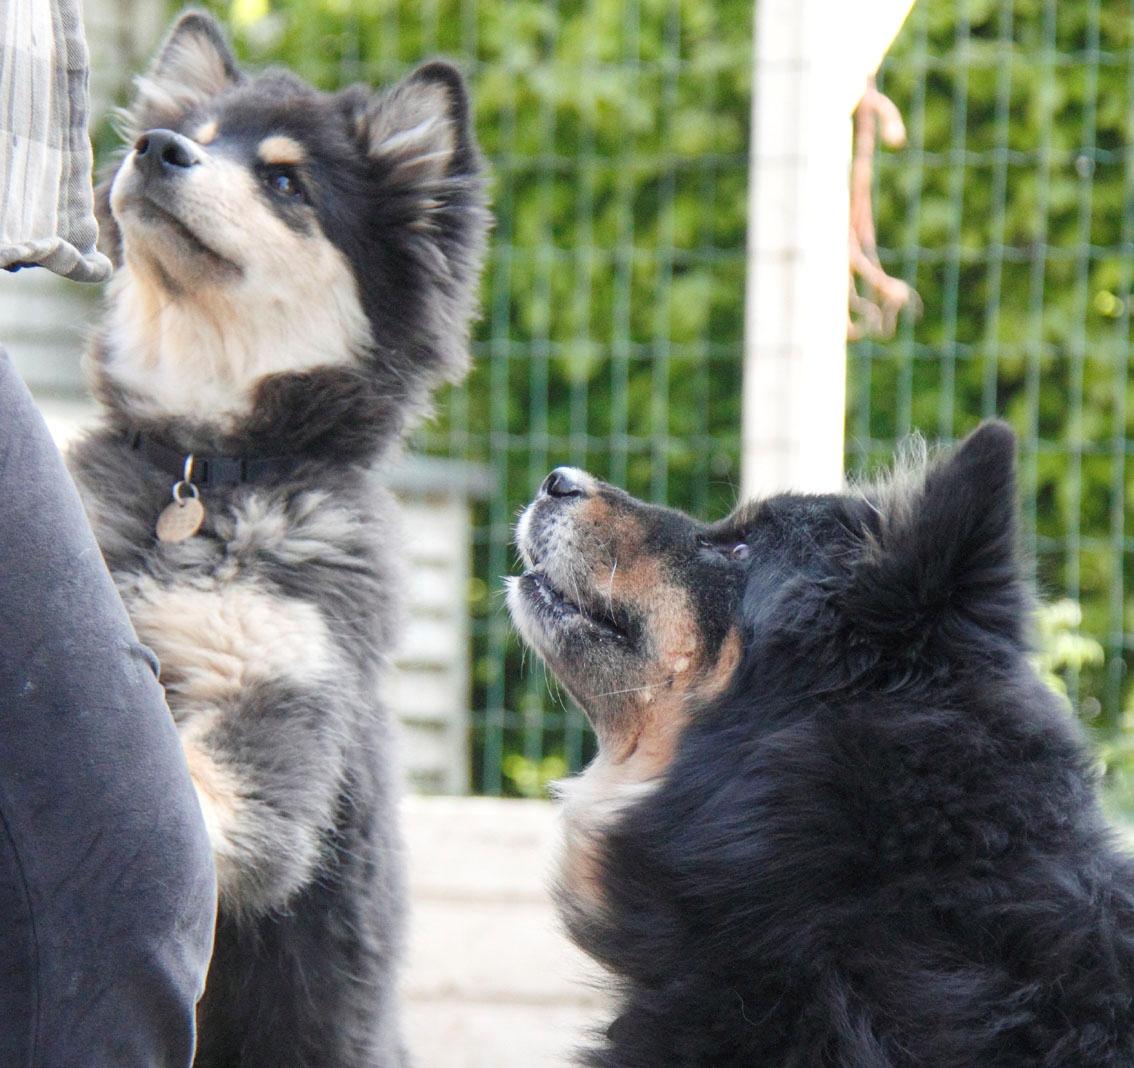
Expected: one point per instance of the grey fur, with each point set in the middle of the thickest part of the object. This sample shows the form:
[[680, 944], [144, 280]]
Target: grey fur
[[297, 760]]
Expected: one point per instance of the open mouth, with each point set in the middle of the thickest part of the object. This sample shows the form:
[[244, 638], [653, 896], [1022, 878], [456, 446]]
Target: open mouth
[[556, 610]]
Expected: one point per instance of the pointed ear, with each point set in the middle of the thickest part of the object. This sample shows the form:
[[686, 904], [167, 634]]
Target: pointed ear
[[426, 179], [193, 65], [944, 552], [421, 128]]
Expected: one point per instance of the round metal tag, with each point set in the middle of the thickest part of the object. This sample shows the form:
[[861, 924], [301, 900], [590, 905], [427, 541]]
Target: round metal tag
[[180, 520]]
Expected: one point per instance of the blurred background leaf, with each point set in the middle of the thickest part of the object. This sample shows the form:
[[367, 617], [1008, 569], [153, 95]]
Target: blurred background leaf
[[617, 135]]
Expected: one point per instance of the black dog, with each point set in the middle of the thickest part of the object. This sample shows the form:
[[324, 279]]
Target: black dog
[[836, 818]]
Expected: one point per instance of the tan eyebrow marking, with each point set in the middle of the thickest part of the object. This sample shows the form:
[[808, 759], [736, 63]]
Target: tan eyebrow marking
[[281, 150], [207, 133]]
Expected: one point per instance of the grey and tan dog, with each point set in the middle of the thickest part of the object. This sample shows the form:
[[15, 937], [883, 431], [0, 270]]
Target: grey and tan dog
[[296, 272]]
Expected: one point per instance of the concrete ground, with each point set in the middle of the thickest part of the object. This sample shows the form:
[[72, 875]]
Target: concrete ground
[[492, 981]]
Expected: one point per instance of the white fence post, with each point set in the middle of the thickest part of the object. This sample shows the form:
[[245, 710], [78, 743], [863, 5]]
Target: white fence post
[[812, 59]]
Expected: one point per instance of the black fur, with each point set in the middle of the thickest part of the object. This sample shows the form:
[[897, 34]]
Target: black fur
[[880, 846]]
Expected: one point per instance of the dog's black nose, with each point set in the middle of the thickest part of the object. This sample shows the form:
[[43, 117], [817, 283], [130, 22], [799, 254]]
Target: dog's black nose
[[565, 482], [164, 151]]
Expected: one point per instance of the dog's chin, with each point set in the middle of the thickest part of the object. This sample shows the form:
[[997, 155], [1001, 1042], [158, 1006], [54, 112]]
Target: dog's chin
[[588, 650], [180, 256]]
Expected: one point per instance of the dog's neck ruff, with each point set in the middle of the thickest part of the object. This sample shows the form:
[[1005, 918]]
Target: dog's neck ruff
[[210, 472]]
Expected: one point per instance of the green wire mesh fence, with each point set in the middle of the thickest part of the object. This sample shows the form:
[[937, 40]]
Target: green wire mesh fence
[[613, 299], [617, 134], [1011, 211]]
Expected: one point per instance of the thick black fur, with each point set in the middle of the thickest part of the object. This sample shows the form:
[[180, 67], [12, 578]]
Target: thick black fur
[[881, 846]]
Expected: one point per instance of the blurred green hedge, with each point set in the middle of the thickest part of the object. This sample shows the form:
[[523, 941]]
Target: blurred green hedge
[[1011, 212], [613, 302], [617, 136]]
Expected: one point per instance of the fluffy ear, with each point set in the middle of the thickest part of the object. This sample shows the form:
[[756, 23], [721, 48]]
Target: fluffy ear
[[422, 159], [192, 66], [944, 551], [420, 129]]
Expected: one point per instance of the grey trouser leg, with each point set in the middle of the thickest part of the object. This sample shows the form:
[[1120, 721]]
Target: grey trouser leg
[[107, 889]]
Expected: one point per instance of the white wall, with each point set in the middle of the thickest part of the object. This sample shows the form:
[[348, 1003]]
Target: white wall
[[492, 981]]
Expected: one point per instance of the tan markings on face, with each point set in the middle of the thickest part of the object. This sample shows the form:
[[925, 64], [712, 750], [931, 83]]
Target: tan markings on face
[[190, 335], [207, 133], [596, 551], [212, 643], [714, 680], [620, 776], [672, 636], [281, 150]]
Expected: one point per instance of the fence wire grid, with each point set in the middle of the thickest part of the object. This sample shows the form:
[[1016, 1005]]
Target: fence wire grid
[[617, 136], [1011, 211]]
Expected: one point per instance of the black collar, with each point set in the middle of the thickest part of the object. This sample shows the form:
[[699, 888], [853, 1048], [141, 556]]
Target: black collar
[[210, 472]]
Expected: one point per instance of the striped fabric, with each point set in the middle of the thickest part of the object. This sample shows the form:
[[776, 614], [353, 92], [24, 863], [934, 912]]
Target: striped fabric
[[46, 214]]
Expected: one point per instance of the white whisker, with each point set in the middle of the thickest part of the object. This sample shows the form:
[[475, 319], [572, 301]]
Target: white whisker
[[612, 693]]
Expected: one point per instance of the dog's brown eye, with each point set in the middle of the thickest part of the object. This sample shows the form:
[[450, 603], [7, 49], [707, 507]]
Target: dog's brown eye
[[283, 182], [738, 550]]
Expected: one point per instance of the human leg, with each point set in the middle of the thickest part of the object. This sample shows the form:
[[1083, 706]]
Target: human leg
[[107, 890]]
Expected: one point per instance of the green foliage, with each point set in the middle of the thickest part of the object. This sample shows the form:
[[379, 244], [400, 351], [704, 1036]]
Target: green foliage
[[1012, 213], [531, 778], [613, 303], [1061, 648], [1116, 762], [613, 299]]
